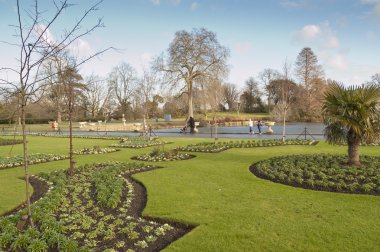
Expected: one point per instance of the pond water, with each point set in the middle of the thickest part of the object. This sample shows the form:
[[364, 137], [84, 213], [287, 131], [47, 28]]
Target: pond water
[[293, 130]]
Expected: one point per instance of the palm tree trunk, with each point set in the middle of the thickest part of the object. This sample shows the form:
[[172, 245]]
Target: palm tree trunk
[[353, 142]]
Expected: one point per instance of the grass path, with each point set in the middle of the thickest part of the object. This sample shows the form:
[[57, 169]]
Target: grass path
[[234, 210]]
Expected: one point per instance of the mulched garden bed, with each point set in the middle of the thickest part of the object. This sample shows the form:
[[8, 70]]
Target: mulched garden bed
[[143, 226], [322, 172]]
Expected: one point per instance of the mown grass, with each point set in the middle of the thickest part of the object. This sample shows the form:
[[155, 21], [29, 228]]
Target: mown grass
[[234, 210]]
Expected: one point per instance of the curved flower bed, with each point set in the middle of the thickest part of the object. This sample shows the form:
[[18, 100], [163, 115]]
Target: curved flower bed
[[7, 141], [215, 147], [72, 216], [322, 172], [137, 142], [95, 150], [9, 162], [103, 137], [163, 156]]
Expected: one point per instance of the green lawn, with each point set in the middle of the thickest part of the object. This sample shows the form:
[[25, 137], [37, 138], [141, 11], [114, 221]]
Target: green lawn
[[234, 210]]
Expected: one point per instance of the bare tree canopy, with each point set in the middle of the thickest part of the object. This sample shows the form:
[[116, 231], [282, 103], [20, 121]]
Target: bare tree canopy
[[95, 94], [266, 76], [231, 95], [190, 57], [123, 80], [33, 30]]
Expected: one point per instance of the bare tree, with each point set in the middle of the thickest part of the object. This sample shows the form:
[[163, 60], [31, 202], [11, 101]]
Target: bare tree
[[375, 79], [192, 56], [122, 81], [146, 89], [95, 94], [53, 86], [214, 94], [35, 47], [285, 96], [266, 76], [231, 95], [73, 88]]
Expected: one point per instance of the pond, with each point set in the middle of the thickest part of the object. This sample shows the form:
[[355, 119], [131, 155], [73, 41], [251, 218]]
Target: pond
[[292, 130]]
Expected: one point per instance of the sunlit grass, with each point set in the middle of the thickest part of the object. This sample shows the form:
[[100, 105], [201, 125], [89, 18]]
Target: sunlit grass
[[234, 210]]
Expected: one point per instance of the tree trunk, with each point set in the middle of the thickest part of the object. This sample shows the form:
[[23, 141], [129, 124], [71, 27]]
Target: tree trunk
[[190, 103], [59, 114], [26, 163], [353, 142], [71, 102], [284, 123]]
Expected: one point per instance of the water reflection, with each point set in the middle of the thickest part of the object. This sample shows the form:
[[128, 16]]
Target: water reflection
[[293, 130]]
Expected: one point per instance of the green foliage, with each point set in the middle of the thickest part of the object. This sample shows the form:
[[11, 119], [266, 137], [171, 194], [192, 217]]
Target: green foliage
[[8, 162], [7, 141], [219, 146], [323, 172]]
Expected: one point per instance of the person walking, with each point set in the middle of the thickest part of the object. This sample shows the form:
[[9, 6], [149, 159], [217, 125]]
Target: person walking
[[250, 125], [259, 125]]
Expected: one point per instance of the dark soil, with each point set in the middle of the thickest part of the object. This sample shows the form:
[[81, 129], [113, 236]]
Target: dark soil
[[138, 204], [40, 188]]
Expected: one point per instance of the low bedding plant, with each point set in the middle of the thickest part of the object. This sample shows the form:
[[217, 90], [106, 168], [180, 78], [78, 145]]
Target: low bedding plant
[[15, 161], [215, 147], [9, 162], [8, 141], [90, 211], [138, 142], [158, 155], [322, 172], [103, 137], [94, 150]]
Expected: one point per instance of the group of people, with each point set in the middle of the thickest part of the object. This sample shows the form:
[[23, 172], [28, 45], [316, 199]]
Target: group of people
[[250, 125]]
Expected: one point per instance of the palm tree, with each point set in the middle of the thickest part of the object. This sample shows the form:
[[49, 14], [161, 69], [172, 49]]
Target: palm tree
[[352, 116]]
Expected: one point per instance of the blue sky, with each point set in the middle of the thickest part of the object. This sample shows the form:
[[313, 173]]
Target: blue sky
[[344, 34]]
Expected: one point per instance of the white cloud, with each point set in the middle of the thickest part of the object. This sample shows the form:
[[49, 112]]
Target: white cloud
[[47, 36], [337, 61], [323, 39], [194, 6], [146, 57], [156, 2], [309, 32], [318, 35], [81, 48]]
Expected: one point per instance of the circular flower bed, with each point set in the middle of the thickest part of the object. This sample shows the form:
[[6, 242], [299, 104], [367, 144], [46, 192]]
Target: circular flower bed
[[322, 172]]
